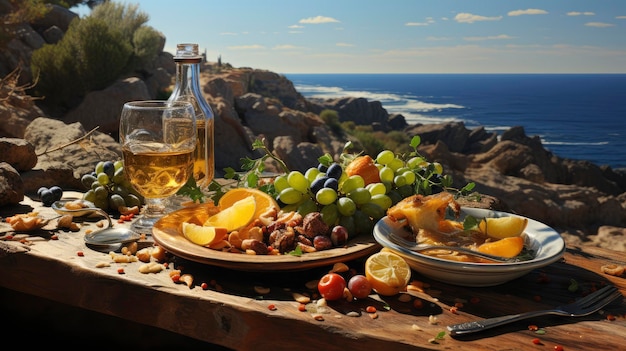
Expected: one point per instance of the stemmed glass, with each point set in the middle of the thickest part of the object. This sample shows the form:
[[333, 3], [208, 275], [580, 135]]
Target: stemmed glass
[[158, 140]]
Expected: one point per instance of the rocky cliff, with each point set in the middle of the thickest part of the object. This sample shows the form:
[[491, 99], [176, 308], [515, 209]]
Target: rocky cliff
[[586, 202]]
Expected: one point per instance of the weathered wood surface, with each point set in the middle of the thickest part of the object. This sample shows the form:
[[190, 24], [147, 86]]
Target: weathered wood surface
[[233, 315]]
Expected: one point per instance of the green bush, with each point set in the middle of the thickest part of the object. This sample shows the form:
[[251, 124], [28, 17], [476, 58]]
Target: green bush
[[95, 51], [331, 118]]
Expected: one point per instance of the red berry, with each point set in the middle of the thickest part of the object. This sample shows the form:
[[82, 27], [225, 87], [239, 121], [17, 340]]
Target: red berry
[[359, 286]]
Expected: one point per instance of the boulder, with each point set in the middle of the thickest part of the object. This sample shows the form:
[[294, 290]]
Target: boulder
[[19, 153], [11, 185]]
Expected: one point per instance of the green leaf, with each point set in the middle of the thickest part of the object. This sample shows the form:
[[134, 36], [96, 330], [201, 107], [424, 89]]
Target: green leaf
[[230, 173], [325, 159], [191, 190], [440, 335], [415, 141], [296, 252], [258, 144], [470, 222]]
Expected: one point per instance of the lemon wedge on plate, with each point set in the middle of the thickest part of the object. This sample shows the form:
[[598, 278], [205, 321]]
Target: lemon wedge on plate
[[234, 217], [204, 236], [503, 227]]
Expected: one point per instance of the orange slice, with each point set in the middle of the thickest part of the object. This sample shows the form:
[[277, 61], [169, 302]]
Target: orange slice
[[507, 247], [388, 273], [263, 200], [204, 236], [503, 227], [234, 217]]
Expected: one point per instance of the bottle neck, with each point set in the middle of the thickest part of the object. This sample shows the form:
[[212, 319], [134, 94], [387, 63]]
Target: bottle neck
[[187, 77]]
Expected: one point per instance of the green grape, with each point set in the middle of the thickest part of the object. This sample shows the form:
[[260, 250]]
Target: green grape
[[119, 176], [396, 164], [348, 223], [381, 200], [386, 174], [116, 201], [101, 193], [311, 174], [438, 167], [297, 181], [385, 157], [95, 185], [372, 210], [395, 197], [405, 191], [87, 180], [399, 180], [290, 196], [120, 190], [353, 182], [326, 196], [102, 203], [346, 206], [132, 200], [409, 176], [99, 167], [401, 170], [103, 178], [306, 207], [118, 164], [376, 188], [330, 214], [360, 196], [415, 162], [281, 183], [90, 195], [362, 223]]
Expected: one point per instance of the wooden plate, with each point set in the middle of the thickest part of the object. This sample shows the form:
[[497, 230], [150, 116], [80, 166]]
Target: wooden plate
[[167, 233]]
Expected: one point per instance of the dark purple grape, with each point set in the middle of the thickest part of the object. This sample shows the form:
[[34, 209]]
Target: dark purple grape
[[322, 168], [41, 190], [322, 242], [47, 197], [334, 171], [57, 192], [109, 168], [339, 235], [331, 183], [318, 184]]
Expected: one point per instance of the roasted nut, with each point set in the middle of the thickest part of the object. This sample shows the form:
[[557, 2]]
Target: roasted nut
[[613, 269], [143, 255]]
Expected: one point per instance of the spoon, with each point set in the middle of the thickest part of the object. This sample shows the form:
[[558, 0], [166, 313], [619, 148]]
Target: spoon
[[111, 236], [409, 245]]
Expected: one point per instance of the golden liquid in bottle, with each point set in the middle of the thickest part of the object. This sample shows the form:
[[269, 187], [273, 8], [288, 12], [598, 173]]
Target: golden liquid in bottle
[[204, 158], [157, 174]]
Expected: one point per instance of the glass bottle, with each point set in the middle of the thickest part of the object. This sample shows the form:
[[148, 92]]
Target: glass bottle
[[187, 88]]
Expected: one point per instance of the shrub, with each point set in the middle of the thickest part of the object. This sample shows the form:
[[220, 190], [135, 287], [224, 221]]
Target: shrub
[[331, 118]]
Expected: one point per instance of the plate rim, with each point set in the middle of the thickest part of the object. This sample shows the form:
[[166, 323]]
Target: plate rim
[[173, 241]]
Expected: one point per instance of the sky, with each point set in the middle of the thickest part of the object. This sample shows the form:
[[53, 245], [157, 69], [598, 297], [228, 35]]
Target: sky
[[398, 36]]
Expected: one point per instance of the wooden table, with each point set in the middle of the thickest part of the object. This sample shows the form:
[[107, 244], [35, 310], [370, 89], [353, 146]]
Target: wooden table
[[231, 314]]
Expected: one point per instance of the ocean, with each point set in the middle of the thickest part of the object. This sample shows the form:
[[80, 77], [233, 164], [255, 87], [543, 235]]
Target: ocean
[[577, 116]]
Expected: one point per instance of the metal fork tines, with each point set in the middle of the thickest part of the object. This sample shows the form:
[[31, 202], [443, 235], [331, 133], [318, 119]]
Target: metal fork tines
[[413, 246], [582, 307]]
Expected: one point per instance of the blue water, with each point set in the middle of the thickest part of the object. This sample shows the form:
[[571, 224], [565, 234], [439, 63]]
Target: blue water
[[577, 116]]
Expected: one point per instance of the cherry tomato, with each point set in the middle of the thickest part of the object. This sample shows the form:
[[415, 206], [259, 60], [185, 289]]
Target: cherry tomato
[[331, 286], [359, 286]]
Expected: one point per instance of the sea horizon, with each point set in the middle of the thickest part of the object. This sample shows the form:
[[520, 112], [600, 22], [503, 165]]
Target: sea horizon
[[577, 116]]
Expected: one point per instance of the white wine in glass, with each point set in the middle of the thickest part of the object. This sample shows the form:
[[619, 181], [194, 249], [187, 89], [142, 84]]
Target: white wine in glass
[[158, 141]]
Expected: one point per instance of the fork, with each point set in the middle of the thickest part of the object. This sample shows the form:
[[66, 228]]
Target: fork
[[583, 307], [413, 246]]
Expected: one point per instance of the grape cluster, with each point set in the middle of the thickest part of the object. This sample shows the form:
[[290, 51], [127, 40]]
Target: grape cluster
[[49, 195], [108, 187], [347, 200]]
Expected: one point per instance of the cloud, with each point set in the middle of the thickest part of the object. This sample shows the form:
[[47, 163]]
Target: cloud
[[344, 44], [491, 37], [470, 18], [247, 47], [431, 38], [286, 47], [295, 26], [620, 17], [228, 33], [527, 12], [576, 13], [598, 24], [318, 20], [428, 21]]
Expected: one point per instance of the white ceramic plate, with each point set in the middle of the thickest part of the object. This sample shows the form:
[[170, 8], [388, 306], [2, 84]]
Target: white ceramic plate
[[545, 241]]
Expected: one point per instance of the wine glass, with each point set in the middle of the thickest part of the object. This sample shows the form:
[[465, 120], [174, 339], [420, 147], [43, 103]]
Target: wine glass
[[158, 141]]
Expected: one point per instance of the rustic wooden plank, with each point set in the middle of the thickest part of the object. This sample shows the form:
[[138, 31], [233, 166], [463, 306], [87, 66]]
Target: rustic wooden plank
[[233, 315]]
